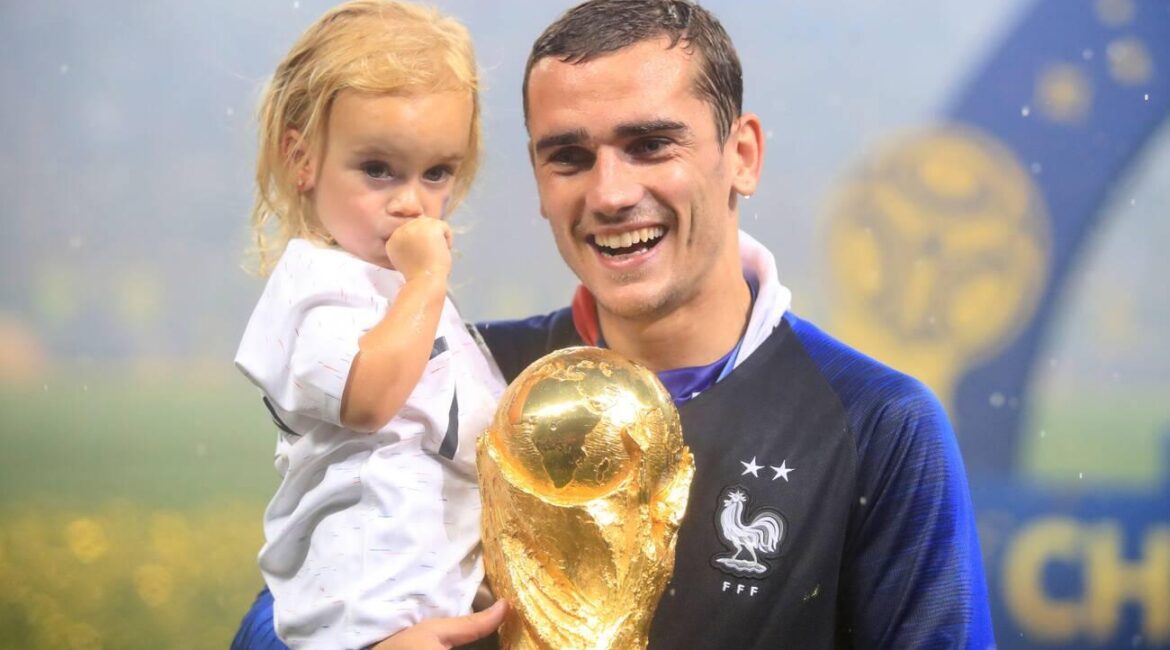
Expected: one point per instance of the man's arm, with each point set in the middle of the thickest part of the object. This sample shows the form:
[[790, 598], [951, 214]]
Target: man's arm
[[445, 633], [913, 574], [257, 631], [517, 343]]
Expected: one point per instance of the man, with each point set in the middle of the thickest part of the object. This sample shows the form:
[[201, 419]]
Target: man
[[829, 506]]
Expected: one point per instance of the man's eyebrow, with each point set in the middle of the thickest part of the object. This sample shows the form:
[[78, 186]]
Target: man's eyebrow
[[626, 130], [575, 136], [635, 129]]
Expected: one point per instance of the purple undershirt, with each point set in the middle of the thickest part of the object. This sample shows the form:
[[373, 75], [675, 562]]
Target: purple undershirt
[[684, 384]]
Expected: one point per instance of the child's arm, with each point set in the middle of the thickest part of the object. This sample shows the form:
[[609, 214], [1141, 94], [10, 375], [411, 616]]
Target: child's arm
[[392, 355]]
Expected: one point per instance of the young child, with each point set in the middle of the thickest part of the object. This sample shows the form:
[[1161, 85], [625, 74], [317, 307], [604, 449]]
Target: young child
[[369, 134]]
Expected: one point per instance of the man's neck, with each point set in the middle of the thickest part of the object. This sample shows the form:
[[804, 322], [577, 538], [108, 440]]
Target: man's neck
[[697, 333]]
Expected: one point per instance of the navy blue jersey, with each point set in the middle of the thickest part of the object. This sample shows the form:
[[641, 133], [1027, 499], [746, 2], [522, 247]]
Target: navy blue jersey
[[829, 507]]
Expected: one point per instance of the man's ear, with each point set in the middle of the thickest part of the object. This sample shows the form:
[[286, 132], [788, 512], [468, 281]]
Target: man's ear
[[300, 163], [746, 141]]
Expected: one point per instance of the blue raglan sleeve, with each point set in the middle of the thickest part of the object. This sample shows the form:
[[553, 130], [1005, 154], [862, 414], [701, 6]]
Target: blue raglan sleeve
[[913, 574]]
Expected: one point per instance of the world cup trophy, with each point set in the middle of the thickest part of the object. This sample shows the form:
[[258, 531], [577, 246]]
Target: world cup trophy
[[584, 478]]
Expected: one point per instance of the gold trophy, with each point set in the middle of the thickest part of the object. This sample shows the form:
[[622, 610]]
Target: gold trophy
[[584, 478]]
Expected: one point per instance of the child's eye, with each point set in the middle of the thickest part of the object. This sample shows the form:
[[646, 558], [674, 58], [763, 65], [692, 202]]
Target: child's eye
[[438, 174], [377, 170]]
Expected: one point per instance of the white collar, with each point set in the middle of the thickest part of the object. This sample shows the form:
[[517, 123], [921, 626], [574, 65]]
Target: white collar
[[772, 298]]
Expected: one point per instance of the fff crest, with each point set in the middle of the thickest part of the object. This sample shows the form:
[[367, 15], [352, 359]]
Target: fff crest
[[752, 536]]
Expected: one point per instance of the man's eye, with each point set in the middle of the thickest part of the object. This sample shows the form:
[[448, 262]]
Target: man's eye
[[571, 157], [649, 146], [377, 170], [438, 174]]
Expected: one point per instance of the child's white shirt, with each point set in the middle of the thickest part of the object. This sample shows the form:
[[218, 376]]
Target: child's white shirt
[[368, 533]]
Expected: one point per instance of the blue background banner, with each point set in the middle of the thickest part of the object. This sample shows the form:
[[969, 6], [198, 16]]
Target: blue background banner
[[1075, 91], [1076, 569]]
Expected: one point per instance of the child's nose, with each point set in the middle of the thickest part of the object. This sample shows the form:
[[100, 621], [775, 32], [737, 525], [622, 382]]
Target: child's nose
[[407, 203]]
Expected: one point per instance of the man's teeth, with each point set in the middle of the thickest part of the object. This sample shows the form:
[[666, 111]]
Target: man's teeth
[[627, 239]]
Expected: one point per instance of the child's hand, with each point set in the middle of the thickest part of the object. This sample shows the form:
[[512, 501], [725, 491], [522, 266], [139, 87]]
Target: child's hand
[[421, 246]]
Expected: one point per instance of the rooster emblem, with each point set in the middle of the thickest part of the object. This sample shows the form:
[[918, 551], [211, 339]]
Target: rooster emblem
[[759, 537]]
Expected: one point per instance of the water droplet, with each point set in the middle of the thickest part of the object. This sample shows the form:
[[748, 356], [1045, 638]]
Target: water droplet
[[1080, 475], [1087, 54], [1025, 111], [1146, 97], [863, 500], [996, 399]]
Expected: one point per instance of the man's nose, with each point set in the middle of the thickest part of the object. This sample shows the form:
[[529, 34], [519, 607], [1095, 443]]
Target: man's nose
[[406, 202], [614, 185]]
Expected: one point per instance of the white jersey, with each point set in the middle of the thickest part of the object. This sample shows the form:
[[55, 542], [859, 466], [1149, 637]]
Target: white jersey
[[368, 533]]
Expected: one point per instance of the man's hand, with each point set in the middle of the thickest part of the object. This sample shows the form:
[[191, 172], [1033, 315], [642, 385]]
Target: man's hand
[[446, 633], [421, 246]]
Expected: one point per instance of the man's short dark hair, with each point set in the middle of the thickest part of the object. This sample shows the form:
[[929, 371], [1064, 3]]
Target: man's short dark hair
[[598, 27]]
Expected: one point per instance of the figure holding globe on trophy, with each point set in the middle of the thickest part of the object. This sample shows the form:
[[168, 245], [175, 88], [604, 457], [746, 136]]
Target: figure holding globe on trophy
[[584, 479]]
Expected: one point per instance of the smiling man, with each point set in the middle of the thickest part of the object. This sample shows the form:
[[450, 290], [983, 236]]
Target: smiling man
[[829, 506]]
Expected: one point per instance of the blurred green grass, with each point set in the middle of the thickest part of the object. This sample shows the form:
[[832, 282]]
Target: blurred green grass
[[131, 508], [159, 436], [132, 496]]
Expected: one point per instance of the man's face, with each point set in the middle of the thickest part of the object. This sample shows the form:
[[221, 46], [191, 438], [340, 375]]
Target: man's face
[[632, 177]]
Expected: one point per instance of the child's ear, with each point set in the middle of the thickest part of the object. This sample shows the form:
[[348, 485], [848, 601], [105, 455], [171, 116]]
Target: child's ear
[[300, 163]]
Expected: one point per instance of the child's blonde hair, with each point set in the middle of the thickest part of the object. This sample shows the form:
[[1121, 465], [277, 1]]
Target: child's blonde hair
[[371, 46]]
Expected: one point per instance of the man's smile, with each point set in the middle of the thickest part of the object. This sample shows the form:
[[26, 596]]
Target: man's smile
[[630, 242]]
